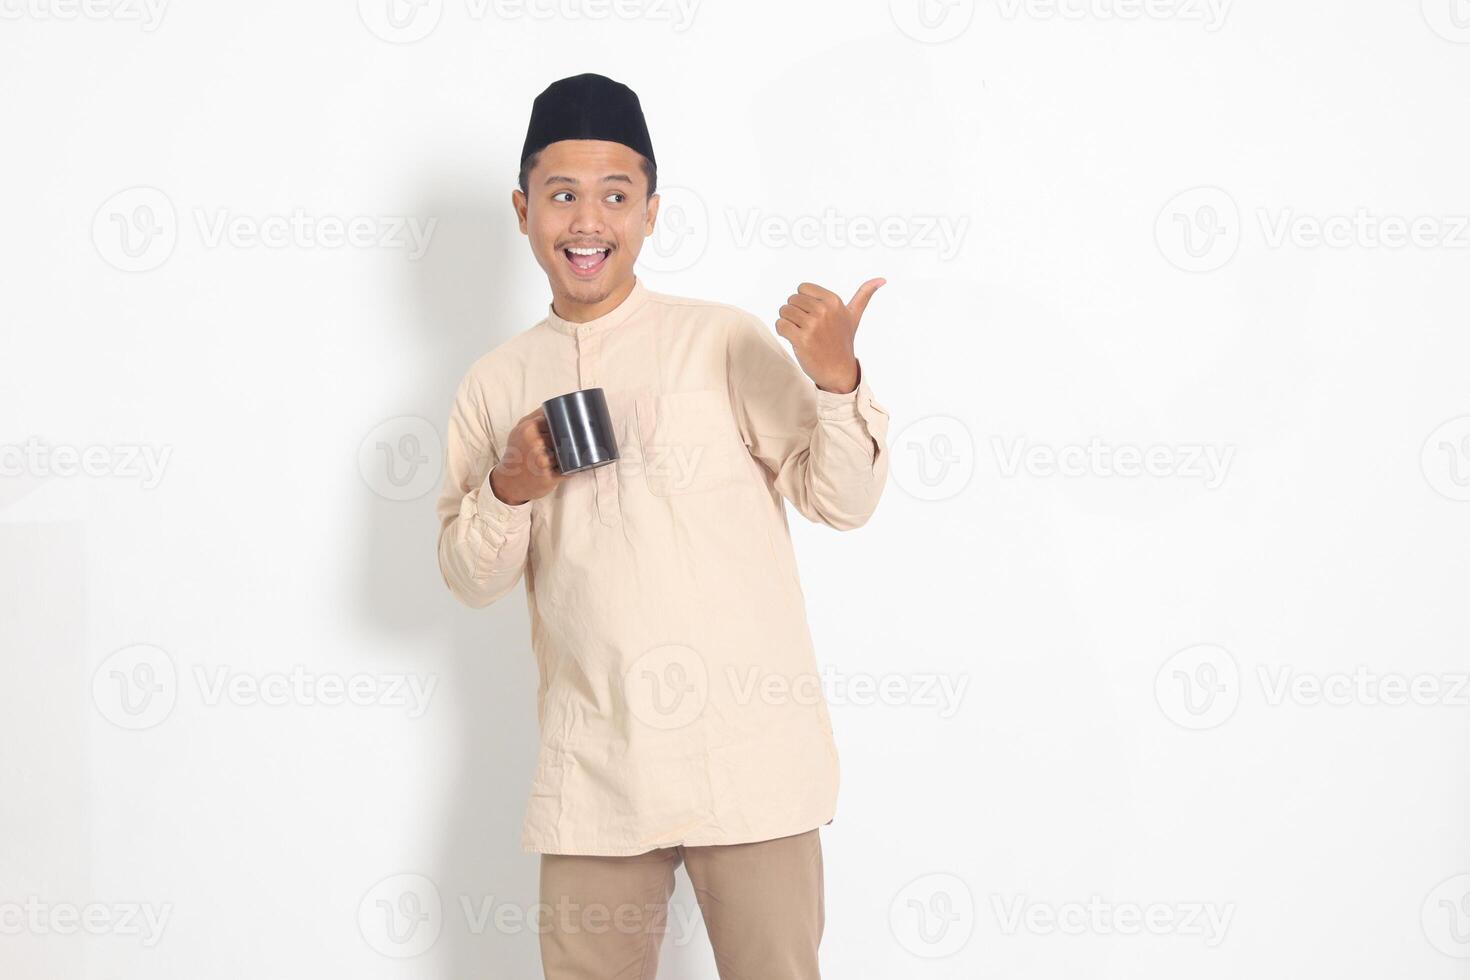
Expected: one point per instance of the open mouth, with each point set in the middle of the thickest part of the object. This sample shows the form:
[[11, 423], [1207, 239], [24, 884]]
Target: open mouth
[[586, 262]]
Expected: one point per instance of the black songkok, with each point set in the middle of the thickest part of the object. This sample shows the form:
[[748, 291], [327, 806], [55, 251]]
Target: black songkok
[[587, 107]]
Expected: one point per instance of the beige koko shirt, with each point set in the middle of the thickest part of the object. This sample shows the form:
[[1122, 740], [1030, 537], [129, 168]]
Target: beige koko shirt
[[679, 699]]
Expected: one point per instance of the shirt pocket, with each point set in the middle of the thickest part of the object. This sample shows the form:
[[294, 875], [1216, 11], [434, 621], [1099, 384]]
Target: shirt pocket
[[687, 441]]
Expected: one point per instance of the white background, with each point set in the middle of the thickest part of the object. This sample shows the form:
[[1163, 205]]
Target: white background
[[1136, 773]]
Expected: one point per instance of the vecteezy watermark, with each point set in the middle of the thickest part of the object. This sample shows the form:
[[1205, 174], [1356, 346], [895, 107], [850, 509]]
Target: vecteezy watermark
[[1208, 921], [1198, 687], [1450, 19], [36, 917], [138, 686], [680, 235], [127, 461], [1363, 229], [1445, 459], [941, 234], [1201, 686], [1198, 230], [400, 21], [146, 13], [932, 21], [401, 916], [138, 229], [222, 227], [1210, 14], [667, 687], [683, 231], [671, 467], [933, 916], [678, 14], [1445, 917], [1210, 464], [407, 21], [917, 689], [401, 458], [300, 687], [568, 917], [933, 457], [1362, 687]]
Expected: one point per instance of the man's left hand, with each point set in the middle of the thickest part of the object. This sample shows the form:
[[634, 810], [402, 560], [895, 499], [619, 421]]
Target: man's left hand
[[820, 328]]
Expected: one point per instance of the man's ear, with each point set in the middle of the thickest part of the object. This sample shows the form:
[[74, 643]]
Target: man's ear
[[652, 215], [518, 201]]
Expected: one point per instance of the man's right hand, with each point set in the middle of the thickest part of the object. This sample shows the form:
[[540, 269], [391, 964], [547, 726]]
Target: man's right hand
[[527, 470]]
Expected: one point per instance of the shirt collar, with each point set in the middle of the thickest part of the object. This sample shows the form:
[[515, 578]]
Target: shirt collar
[[607, 321]]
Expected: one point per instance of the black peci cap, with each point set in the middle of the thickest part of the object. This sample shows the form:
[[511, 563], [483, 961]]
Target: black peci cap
[[587, 107]]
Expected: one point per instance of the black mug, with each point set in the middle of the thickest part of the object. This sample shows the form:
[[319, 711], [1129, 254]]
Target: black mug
[[581, 430]]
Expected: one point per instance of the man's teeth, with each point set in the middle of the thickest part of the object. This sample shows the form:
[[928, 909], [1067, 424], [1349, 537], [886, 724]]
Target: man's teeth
[[588, 259]]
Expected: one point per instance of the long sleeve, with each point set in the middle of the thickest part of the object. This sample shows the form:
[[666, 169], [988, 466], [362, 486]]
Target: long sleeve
[[483, 541], [827, 452]]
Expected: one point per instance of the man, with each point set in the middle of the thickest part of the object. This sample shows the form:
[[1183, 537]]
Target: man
[[680, 711]]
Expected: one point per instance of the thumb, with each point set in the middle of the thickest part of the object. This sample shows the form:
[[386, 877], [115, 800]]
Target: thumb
[[859, 301]]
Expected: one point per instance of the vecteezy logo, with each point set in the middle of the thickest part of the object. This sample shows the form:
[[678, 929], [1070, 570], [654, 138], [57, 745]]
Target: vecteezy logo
[[1199, 230], [667, 687], [401, 916], [933, 916], [1450, 19], [401, 21], [680, 234], [136, 687], [1445, 459], [933, 457], [135, 230], [1445, 917], [932, 21], [1198, 687], [401, 459]]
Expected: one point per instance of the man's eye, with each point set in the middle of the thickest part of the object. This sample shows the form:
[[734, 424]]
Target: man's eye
[[620, 197], [561, 195]]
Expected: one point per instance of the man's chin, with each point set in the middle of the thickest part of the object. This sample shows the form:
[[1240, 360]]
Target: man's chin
[[589, 291], [585, 293]]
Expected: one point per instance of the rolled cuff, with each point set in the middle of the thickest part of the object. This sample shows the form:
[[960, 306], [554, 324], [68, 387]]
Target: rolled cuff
[[842, 405], [845, 406], [500, 518], [857, 406]]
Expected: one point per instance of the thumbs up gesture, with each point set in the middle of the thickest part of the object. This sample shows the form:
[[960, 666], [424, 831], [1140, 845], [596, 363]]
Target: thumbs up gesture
[[820, 328]]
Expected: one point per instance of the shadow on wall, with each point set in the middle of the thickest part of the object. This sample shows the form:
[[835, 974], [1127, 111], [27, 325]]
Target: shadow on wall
[[487, 886], [485, 702]]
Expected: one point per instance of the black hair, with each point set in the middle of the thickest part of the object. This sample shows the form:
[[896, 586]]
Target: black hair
[[650, 172]]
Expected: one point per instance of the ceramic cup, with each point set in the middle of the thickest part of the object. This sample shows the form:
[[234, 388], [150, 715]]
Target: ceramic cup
[[581, 430]]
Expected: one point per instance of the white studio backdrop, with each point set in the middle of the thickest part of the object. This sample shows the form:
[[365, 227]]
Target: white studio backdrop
[[1152, 662]]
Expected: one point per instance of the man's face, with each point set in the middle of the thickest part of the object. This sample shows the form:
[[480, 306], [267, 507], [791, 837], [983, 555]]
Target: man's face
[[586, 194]]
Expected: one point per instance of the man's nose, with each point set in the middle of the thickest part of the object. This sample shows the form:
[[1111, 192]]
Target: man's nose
[[587, 220]]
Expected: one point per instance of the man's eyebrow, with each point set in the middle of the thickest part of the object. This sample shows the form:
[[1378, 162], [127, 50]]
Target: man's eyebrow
[[559, 179]]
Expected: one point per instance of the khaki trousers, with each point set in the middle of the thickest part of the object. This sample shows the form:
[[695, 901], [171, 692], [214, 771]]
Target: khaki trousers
[[762, 904]]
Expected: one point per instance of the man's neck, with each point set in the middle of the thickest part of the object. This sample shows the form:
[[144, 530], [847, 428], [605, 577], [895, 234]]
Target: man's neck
[[573, 312]]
